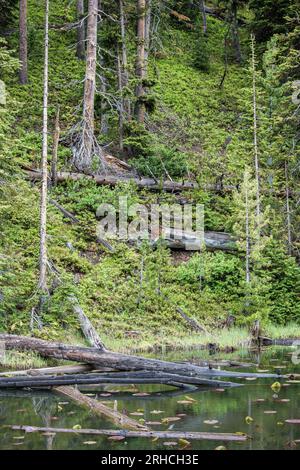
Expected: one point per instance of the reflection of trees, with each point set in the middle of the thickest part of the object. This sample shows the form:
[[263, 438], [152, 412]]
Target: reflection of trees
[[45, 407]]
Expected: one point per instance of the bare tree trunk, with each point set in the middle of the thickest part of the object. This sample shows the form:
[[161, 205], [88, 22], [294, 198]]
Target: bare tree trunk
[[23, 46], [255, 141], [125, 76], [56, 136], [80, 30], [103, 89], [203, 11], [44, 168], [235, 33], [248, 252], [140, 62], [90, 85], [147, 32], [121, 104], [288, 212]]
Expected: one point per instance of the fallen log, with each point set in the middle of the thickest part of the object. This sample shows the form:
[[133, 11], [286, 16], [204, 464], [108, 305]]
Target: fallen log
[[148, 377], [263, 341], [49, 371], [146, 183], [64, 211], [115, 360], [100, 409], [199, 436]]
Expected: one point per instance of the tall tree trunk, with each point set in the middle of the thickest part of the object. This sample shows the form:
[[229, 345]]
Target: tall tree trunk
[[203, 11], [56, 136], [23, 46], [235, 33], [80, 30], [90, 85], [148, 16], [288, 211], [121, 104], [140, 62], [125, 75], [255, 140], [44, 168]]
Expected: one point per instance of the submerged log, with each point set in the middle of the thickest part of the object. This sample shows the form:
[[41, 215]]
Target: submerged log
[[115, 360], [198, 436], [148, 377], [100, 409]]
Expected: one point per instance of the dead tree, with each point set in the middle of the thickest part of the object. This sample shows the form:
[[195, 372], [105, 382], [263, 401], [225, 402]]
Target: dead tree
[[140, 108], [84, 144], [56, 136], [23, 45], [124, 62], [255, 131], [44, 168], [80, 50], [203, 12]]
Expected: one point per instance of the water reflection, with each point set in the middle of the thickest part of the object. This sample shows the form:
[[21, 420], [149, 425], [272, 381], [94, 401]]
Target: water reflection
[[211, 410]]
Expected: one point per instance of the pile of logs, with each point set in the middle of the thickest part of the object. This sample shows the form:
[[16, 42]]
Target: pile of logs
[[99, 367]]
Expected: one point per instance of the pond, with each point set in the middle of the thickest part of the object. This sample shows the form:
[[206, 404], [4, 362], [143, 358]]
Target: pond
[[204, 410]]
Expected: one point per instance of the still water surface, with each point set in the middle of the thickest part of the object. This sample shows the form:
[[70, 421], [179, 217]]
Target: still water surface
[[211, 410]]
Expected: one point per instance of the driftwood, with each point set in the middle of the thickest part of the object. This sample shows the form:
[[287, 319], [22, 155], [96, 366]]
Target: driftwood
[[147, 377], [87, 328], [99, 408], [198, 436], [115, 360]]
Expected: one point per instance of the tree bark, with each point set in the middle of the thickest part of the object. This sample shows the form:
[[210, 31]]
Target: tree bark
[[87, 328], [56, 136], [148, 17], [89, 87], [140, 108], [255, 138], [23, 44], [203, 11], [199, 436], [235, 33], [288, 210], [80, 51], [124, 62], [44, 167]]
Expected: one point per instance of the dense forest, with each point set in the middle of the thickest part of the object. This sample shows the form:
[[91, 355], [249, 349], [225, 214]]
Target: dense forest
[[163, 102]]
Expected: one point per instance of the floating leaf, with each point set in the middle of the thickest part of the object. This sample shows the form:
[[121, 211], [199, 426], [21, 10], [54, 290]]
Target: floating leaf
[[249, 420], [116, 438], [270, 412], [185, 402], [189, 398], [105, 394], [141, 394], [137, 413], [169, 444], [156, 412], [170, 419], [153, 423], [211, 421], [77, 426], [184, 442], [90, 443], [276, 387], [220, 448]]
